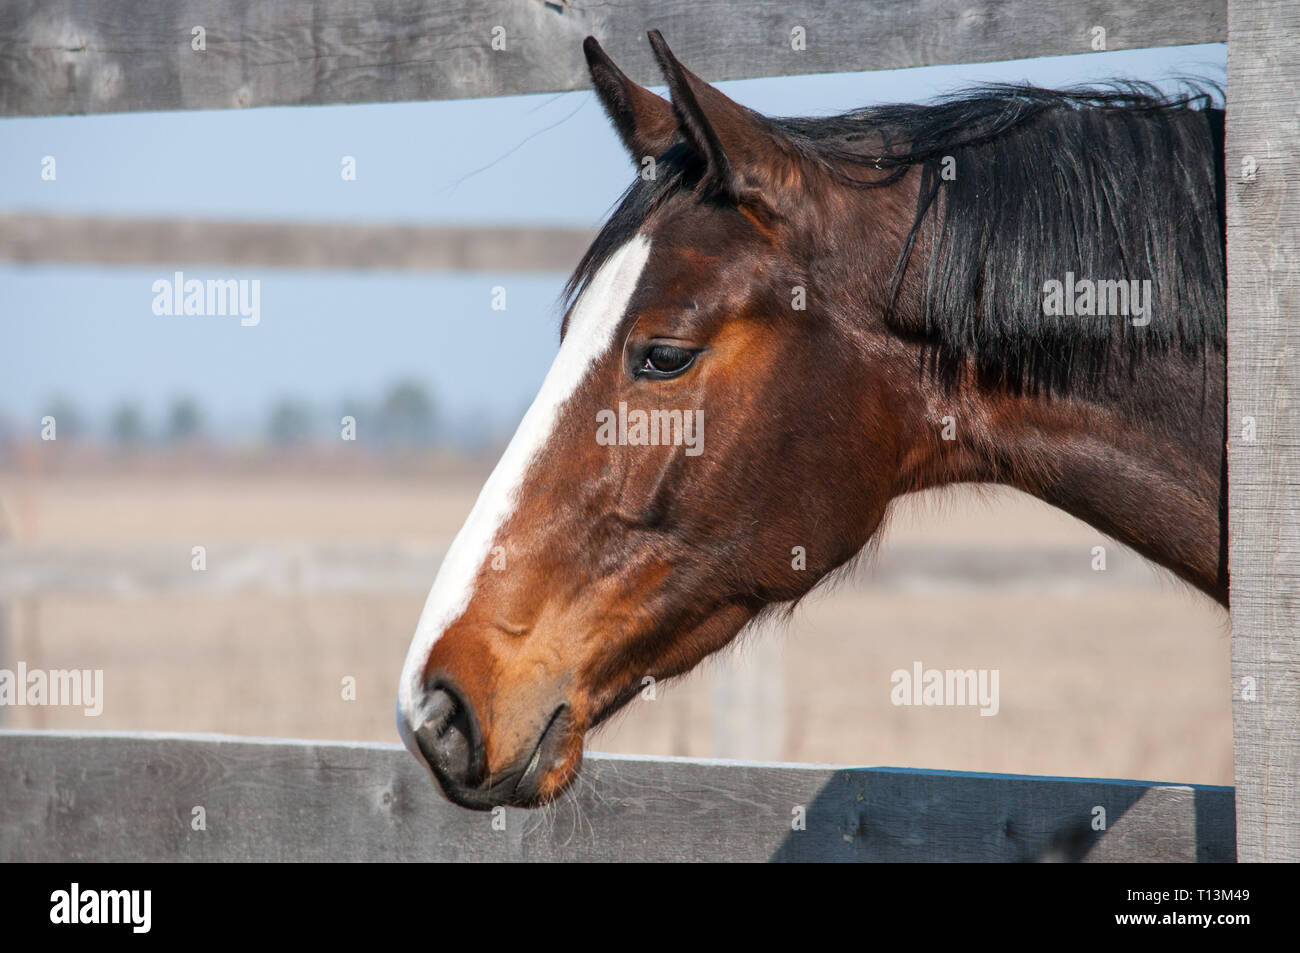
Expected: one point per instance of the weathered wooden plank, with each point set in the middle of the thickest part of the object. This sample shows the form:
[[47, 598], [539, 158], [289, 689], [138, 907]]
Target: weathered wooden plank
[[119, 797], [91, 56], [1263, 127], [165, 242], [30, 570]]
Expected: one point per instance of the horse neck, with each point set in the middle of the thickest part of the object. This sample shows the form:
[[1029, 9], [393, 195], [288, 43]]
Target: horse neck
[[1145, 463]]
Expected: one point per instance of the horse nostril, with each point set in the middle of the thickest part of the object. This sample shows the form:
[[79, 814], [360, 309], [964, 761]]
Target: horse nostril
[[441, 709], [449, 738]]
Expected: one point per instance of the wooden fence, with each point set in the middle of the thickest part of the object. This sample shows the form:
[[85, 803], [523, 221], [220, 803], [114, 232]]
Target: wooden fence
[[140, 797], [134, 241], [88, 56], [92, 56], [1263, 171]]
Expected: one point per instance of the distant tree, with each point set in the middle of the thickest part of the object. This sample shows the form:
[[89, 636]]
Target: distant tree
[[290, 422], [472, 431], [9, 430], [68, 422], [407, 416], [126, 425], [184, 420], [352, 419]]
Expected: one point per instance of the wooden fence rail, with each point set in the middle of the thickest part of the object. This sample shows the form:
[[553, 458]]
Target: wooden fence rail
[[138, 797], [72, 239], [74, 56], [43, 571]]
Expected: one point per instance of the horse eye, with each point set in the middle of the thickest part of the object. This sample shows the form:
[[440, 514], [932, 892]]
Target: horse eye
[[665, 360]]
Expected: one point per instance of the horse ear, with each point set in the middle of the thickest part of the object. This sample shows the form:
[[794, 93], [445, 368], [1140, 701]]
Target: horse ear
[[645, 122], [742, 153]]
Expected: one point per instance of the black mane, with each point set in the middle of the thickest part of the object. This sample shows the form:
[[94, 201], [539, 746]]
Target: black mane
[[1114, 183]]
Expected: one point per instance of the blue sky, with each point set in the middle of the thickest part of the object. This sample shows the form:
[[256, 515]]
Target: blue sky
[[89, 334]]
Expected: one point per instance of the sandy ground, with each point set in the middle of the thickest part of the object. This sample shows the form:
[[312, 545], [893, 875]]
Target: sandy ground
[[1118, 681]]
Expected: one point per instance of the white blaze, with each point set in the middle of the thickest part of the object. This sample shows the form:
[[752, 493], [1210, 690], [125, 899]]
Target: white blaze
[[591, 329]]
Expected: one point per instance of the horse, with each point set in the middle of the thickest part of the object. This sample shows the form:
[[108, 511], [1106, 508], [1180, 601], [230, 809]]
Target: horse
[[785, 325]]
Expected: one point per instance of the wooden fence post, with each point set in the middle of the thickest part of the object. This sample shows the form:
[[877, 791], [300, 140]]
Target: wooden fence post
[[1263, 177]]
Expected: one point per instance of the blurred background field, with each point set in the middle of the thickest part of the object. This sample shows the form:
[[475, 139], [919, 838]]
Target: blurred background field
[[1121, 673]]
